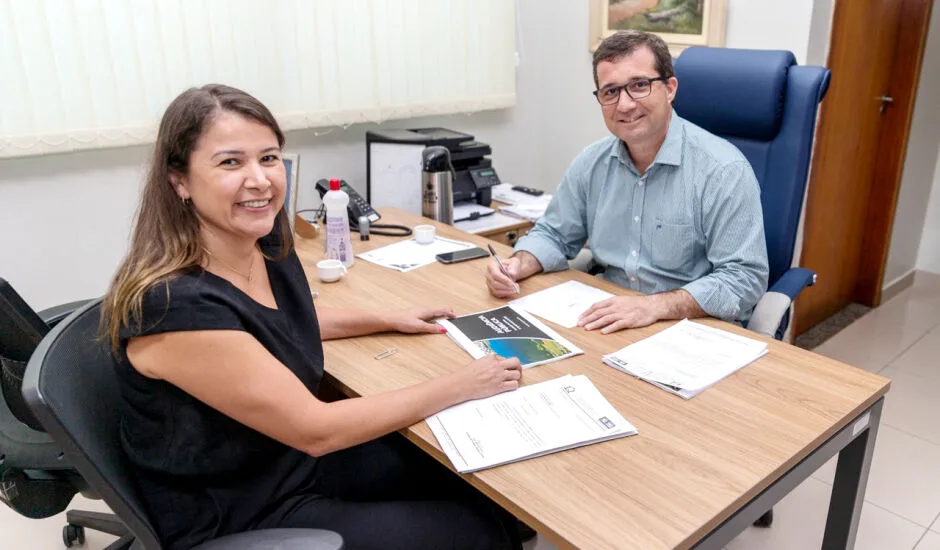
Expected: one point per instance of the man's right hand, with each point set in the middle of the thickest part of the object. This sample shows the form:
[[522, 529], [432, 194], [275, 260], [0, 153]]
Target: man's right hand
[[499, 284], [520, 265]]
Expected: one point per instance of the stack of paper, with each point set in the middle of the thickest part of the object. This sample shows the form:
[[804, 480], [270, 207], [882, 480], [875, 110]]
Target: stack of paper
[[505, 193], [687, 357], [532, 210], [486, 223], [562, 304], [535, 420], [465, 210]]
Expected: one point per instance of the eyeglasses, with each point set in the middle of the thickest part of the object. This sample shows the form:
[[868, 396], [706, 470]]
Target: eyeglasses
[[636, 89]]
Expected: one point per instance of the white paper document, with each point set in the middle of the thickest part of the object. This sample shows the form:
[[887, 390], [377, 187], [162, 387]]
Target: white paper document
[[409, 254], [486, 223], [531, 210], [505, 193], [562, 304], [466, 209], [687, 357], [534, 420]]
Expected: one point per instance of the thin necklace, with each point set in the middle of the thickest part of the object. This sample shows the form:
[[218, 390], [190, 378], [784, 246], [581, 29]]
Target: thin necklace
[[228, 265]]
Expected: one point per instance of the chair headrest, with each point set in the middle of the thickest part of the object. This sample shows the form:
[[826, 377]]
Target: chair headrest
[[750, 83]]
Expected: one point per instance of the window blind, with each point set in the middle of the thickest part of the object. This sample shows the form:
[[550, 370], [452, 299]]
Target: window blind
[[82, 74]]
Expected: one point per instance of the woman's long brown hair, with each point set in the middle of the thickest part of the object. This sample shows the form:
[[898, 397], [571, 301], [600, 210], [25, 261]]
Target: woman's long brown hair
[[166, 236]]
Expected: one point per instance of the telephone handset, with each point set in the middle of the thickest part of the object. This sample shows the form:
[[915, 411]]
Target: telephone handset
[[358, 206]]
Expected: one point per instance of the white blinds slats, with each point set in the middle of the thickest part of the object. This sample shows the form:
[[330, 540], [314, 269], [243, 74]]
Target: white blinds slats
[[80, 74]]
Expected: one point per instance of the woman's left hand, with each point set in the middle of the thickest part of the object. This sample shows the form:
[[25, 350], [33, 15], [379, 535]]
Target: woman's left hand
[[419, 319]]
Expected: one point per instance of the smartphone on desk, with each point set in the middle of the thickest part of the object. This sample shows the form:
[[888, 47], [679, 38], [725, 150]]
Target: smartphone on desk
[[462, 255]]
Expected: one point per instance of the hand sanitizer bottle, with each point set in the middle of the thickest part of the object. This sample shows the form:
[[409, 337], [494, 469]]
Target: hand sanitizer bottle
[[338, 243]]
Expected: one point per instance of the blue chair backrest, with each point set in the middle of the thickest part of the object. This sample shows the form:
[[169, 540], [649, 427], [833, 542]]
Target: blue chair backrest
[[765, 104]]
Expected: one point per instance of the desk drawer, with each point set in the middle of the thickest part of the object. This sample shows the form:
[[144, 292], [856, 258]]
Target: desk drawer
[[509, 236]]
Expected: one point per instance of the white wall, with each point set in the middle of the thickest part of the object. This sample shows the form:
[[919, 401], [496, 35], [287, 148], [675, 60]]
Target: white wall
[[928, 258], [919, 167], [771, 25], [65, 219]]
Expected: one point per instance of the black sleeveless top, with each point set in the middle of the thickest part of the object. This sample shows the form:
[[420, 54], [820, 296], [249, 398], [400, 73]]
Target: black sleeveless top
[[202, 474]]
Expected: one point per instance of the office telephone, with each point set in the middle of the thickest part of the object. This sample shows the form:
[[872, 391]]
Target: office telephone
[[358, 206]]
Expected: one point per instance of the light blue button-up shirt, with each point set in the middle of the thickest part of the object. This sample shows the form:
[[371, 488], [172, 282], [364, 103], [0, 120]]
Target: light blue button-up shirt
[[692, 221]]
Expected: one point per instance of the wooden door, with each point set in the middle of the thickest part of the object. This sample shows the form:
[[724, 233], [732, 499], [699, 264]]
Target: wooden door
[[874, 54]]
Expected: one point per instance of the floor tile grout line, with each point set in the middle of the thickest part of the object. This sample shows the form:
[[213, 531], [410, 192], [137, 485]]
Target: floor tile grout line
[[882, 508], [915, 436], [893, 513], [934, 522], [903, 351]]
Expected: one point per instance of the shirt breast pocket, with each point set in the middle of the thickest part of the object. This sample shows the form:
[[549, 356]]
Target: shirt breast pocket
[[672, 245]]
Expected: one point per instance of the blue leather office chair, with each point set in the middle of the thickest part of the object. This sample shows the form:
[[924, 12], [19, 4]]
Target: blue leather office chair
[[765, 104], [71, 387]]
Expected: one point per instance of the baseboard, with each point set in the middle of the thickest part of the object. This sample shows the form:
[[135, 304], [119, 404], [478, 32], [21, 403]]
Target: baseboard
[[898, 285]]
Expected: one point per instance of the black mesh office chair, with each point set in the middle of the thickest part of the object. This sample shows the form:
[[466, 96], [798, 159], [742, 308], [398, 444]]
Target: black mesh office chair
[[71, 389], [36, 480]]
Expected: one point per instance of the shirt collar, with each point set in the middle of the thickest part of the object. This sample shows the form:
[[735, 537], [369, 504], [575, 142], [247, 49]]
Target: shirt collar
[[670, 152]]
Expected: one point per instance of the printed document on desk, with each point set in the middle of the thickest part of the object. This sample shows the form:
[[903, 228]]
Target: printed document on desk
[[562, 304], [532, 210], [487, 223], [409, 254], [535, 420], [508, 332], [505, 193], [687, 357], [466, 209]]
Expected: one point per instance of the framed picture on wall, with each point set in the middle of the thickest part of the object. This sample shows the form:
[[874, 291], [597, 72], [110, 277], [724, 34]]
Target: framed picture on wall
[[292, 165], [681, 23]]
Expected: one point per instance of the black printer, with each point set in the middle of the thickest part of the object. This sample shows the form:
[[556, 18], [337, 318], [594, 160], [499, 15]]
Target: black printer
[[393, 166]]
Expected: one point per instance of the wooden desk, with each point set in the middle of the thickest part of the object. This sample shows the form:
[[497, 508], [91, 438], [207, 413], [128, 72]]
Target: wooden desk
[[698, 472]]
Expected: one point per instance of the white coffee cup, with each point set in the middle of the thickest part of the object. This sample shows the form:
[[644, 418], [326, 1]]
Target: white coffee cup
[[424, 234], [330, 270]]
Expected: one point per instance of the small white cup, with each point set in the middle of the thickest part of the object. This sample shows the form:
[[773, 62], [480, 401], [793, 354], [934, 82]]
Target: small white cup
[[424, 234], [330, 270]]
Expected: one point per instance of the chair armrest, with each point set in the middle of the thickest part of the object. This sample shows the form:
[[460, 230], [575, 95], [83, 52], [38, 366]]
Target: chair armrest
[[793, 281], [775, 304], [282, 539], [54, 314]]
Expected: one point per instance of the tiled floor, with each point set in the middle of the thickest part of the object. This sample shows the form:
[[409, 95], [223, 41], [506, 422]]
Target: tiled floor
[[900, 340]]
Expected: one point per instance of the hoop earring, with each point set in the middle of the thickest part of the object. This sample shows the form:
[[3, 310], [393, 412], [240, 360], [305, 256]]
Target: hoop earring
[[185, 201]]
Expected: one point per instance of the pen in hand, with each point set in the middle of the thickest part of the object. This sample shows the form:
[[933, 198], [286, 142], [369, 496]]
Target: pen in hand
[[502, 268]]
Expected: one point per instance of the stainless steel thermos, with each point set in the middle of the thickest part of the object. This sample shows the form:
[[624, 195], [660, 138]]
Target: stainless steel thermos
[[437, 184]]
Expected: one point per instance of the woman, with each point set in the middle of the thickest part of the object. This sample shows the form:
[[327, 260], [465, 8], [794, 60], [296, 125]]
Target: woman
[[218, 349]]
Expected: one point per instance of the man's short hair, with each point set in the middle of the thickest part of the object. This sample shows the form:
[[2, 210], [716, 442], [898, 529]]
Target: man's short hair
[[624, 43]]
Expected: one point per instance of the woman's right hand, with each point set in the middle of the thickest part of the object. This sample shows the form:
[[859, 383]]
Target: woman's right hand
[[488, 376]]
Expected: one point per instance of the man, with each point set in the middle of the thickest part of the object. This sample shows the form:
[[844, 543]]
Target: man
[[667, 208]]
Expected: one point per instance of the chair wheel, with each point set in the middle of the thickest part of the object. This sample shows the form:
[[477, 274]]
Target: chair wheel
[[72, 534], [765, 520]]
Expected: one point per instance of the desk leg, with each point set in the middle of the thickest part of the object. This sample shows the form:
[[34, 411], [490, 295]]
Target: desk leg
[[848, 488]]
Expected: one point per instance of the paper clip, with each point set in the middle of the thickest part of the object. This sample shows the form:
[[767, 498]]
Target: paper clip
[[386, 353]]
